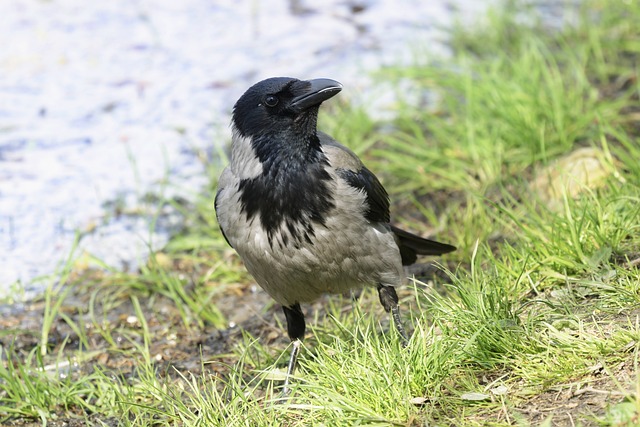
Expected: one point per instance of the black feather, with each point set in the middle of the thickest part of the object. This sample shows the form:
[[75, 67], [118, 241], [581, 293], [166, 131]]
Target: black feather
[[293, 190], [411, 246], [377, 197]]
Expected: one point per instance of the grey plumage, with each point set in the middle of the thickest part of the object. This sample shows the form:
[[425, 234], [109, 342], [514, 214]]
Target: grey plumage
[[347, 252]]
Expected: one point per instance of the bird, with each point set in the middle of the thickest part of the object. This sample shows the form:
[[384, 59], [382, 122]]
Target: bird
[[303, 212]]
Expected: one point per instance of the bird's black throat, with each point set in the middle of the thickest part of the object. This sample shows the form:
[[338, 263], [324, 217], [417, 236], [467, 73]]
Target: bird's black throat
[[292, 193]]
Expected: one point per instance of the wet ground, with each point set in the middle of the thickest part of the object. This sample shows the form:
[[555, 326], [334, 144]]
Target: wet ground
[[102, 103]]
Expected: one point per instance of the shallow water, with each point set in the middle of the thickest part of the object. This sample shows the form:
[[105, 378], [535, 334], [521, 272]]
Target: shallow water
[[101, 102]]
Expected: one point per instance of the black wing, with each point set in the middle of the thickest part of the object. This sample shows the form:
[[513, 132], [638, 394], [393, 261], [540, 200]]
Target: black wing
[[377, 197]]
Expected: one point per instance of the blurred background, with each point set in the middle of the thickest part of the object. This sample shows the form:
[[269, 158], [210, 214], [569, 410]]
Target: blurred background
[[106, 106]]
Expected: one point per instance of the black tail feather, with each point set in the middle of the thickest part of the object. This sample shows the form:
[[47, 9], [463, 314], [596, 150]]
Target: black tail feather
[[411, 246]]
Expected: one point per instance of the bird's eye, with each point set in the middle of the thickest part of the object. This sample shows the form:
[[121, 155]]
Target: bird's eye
[[271, 101]]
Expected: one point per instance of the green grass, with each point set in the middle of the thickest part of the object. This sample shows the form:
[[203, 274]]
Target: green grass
[[536, 323]]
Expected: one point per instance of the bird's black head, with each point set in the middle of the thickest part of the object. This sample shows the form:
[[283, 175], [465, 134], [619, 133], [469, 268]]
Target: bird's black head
[[282, 104]]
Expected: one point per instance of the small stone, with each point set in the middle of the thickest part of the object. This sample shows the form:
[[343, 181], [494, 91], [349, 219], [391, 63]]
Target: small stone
[[584, 168], [418, 401], [500, 390], [475, 396]]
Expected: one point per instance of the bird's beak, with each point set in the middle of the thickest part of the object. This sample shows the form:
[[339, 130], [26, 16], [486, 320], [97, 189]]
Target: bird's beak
[[314, 92]]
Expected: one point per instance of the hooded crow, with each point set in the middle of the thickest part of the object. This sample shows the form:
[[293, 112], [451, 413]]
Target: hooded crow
[[303, 212]]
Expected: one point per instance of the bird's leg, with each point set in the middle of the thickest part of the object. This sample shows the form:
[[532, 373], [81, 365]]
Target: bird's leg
[[292, 366], [295, 328], [389, 300]]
